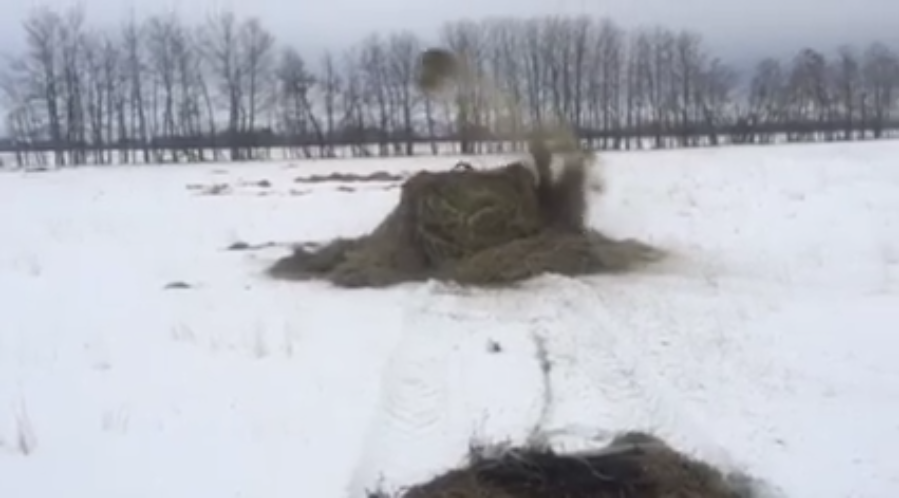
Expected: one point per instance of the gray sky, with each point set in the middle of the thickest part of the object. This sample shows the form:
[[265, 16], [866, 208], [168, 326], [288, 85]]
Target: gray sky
[[739, 30]]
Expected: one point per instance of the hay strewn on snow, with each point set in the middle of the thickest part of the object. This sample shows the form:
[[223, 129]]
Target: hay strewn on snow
[[569, 254], [634, 465], [377, 176], [489, 227]]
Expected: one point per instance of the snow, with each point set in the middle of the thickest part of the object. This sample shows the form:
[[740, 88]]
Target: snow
[[767, 344]]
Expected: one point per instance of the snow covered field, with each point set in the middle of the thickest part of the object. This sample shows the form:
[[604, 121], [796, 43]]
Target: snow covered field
[[770, 343]]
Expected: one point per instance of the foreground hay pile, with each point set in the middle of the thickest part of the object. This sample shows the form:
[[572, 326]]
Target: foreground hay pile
[[490, 227], [634, 465]]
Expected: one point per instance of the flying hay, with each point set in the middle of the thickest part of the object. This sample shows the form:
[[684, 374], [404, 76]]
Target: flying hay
[[475, 227], [438, 68], [634, 465]]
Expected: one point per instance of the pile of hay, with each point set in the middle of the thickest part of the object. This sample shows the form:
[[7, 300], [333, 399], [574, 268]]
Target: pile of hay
[[476, 227], [634, 465]]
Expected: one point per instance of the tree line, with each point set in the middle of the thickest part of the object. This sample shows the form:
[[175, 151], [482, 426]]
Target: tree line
[[160, 90]]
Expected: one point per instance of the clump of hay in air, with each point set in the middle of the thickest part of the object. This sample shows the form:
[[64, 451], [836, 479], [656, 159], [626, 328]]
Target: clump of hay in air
[[478, 227], [438, 68], [633, 465]]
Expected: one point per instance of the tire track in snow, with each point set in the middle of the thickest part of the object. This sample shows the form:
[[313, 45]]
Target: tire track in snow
[[603, 382], [596, 384], [447, 385]]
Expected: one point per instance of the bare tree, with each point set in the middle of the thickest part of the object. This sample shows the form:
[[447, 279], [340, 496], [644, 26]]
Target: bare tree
[[881, 81], [136, 132], [466, 38], [356, 103], [257, 61], [810, 102], [767, 100], [72, 44], [221, 48], [23, 95], [504, 69], [331, 87], [715, 97], [297, 116], [659, 77], [193, 93], [163, 35], [402, 55], [688, 62], [42, 63], [847, 80], [95, 95], [605, 79], [373, 68]]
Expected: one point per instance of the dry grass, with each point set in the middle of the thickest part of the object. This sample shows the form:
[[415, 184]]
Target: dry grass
[[634, 465], [457, 214]]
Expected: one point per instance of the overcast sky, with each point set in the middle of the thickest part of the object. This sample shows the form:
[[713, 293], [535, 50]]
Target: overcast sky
[[737, 29]]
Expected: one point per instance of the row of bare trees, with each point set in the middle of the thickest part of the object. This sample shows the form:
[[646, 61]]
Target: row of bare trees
[[161, 90]]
